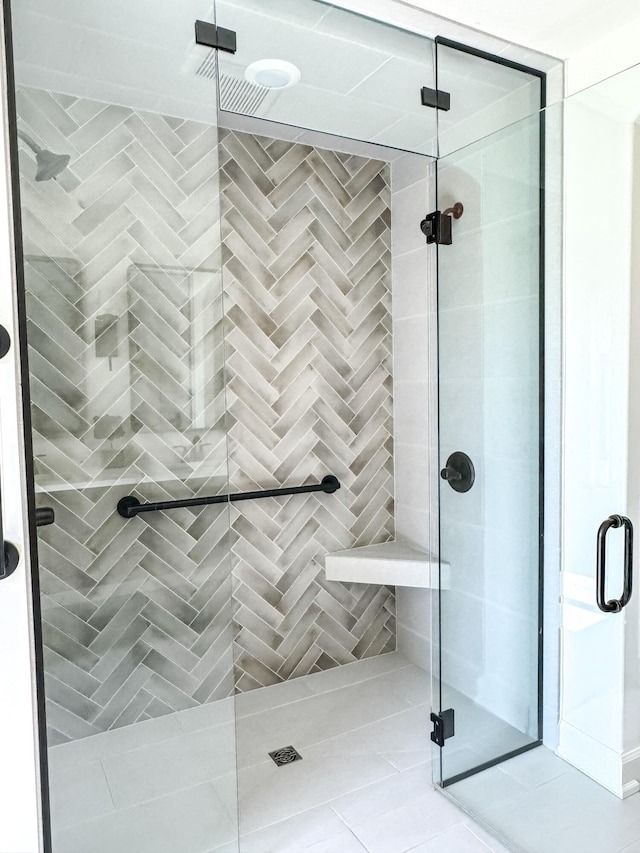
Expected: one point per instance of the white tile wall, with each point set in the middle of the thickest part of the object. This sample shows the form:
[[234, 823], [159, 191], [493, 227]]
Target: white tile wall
[[413, 629], [413, 283], [553, 422], [597, 428]]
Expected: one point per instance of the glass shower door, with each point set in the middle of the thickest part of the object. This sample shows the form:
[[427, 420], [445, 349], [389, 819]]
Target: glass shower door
[[490, 418], [121, 272]]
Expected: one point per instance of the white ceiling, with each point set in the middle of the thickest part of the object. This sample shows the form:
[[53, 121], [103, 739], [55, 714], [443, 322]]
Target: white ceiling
[[559, 28]]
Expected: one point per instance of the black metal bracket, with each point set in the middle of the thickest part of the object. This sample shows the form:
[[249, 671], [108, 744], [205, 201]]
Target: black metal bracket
[[435, 98], [436, 227], [215, 37], [44, 515], [130, 506], [443, 726]]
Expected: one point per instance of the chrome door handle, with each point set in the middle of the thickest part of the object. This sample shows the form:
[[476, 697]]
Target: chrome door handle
[[614, 605]]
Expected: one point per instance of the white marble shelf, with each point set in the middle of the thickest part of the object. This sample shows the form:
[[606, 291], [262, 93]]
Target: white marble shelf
[[392, 563], [116, 478]]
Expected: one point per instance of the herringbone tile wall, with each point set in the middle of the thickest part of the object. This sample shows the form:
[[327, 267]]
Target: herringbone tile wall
[[126, 322], [306, 236], [126, 356]]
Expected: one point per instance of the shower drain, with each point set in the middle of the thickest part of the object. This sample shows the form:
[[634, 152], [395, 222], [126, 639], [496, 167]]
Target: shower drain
[[285, 755]]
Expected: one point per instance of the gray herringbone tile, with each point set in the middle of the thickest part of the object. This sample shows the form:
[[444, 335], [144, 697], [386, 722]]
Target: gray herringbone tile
[[137, 614], [303, 313], [125, 603]]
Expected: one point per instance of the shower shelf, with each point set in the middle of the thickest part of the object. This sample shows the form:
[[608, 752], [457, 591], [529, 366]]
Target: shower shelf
[[180, 477], [390, 563]]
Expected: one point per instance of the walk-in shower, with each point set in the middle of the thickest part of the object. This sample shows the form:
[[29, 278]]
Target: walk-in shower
[[265, 609]]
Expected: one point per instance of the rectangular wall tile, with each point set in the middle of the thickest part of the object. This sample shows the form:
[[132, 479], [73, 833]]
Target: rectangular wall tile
[[123, 327], [322, 407], [127, 330]]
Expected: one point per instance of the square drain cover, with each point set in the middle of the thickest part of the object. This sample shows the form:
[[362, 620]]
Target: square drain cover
[[285, 755]]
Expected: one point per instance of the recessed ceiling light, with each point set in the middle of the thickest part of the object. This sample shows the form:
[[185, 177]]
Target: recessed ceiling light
[[272, 73]]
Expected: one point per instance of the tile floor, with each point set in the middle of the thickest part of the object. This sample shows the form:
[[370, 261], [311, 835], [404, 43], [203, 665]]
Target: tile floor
[[540, 804], [165, 785], [365, 781], [363, 786]]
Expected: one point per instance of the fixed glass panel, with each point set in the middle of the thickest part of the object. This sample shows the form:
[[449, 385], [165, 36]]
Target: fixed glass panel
[[121, 262], [486, 95], [314, 66], [599, 650], [489, 327], [325, 278]]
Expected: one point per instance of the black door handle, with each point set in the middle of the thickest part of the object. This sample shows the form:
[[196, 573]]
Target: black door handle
[[10, 560], [450, 474], [459, 472], [614, 605], [9, 556]]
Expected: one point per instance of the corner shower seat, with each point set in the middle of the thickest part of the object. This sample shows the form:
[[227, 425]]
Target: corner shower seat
[[392, 563]]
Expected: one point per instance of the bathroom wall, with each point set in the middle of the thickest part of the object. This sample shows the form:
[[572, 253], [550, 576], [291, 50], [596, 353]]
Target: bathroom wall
[[306, 235], [415, 377], [609, 55], [123, 257], [122, 260], [599, 458]]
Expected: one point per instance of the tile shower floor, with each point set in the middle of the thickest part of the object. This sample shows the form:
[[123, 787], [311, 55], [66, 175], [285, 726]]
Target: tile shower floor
[[364, 784]]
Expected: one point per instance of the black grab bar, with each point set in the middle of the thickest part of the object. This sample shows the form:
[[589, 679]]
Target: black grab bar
[[129, 506], [615, 605]]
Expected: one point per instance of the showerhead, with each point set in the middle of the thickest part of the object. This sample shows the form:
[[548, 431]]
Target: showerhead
[[48, 164]]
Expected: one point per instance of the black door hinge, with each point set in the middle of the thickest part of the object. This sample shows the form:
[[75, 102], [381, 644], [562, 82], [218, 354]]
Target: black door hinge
[[216, 37], [443, 726], [435, 98], [436, 227]]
